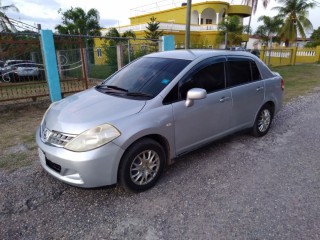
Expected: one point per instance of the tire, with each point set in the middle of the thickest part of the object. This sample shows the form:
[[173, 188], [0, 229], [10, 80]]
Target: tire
[[142, 165], [263, 121]]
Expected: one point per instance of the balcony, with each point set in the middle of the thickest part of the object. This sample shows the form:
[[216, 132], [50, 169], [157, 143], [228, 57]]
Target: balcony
[[170, 27]]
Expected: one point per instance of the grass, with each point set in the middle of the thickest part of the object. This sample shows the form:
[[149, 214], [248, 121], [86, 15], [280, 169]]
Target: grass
[[95, 71], [15, 161], [299, 79], [101, 71], [17, 143]]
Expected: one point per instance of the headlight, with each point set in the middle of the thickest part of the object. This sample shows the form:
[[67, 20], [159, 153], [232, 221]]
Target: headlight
[[93, 138]]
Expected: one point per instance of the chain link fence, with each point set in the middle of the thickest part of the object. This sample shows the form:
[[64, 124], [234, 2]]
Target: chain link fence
[[21, 67], [82, 62], [104, 56]]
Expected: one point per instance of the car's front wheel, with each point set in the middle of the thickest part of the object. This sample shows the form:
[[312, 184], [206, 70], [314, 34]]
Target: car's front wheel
[[142, 165], [263, 121]]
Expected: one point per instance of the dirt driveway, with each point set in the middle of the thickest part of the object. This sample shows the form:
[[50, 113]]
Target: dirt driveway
[[238, 188]]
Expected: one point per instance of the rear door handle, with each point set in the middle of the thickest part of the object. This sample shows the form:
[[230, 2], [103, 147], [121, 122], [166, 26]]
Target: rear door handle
[[224, 99], [259, 88]]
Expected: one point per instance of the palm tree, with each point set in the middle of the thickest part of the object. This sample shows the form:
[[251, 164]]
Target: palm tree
[[295, 16], [254, 5], [271, 25], [5, 23], [231, 30], [77, 21]]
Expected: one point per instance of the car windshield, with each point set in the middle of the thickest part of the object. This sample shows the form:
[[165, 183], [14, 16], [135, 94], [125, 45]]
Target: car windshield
[[145, 77]]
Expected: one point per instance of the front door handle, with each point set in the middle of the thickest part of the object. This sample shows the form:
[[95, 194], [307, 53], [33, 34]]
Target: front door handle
[[224, 99], [259, 89]]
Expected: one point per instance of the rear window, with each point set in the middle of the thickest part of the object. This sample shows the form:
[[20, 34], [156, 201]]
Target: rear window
[[255, 72], [239, 72], [147, 75]]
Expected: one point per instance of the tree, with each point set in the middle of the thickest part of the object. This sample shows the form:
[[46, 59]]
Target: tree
[[254, 5], [116, 38], [231, 30], [153, 30], [5, 23], [315, 34], [77, 21], [114, 33], [271, 25], [295, 16], [315, 37]]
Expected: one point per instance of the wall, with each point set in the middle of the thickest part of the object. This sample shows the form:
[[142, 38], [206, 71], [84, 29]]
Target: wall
[[289, 56], [178, 15]]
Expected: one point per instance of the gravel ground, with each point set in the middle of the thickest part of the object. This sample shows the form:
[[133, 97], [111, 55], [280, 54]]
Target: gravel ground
[[238, 188]]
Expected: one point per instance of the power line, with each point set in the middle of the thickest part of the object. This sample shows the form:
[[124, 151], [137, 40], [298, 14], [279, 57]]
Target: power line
[[21, 25]]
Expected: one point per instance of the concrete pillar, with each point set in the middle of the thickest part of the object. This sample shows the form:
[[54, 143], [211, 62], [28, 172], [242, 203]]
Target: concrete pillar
[[294, 55], [317, 55], [167, 43], [50, 64], [199, 22], [120, 59]]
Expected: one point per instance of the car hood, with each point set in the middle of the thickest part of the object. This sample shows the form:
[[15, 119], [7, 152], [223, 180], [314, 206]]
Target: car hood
[[88, 109]]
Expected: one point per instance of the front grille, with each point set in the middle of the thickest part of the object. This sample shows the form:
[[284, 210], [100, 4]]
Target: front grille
[[53, 166], [59, 139], [55, 138]]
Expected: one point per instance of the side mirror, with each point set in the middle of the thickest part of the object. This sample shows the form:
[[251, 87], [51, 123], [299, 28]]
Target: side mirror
[[195, 94]]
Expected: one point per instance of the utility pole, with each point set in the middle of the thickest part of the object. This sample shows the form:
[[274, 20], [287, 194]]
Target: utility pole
[[188, 21]]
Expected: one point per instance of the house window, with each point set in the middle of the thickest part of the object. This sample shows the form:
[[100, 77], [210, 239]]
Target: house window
[[99, 52], [208, 21]]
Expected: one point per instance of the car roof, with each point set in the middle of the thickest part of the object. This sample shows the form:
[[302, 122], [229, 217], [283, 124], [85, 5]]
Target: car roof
[[18, 61], [196, 53]]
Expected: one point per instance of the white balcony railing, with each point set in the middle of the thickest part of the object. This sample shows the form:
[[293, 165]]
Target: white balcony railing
[[170, 27]]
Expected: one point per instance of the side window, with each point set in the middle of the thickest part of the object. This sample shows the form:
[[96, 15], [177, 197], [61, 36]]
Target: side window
[[211, 78], [255, 72], [239, 72]]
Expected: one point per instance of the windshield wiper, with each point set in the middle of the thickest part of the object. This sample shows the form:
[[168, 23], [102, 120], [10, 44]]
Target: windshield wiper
[[102, 86], [139, 94]]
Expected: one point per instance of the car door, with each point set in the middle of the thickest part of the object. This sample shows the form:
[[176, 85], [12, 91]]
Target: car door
[[247, 90], [207, 118]]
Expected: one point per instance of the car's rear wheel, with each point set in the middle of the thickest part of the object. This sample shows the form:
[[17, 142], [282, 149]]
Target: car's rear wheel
[[263, 121], [142, 165]]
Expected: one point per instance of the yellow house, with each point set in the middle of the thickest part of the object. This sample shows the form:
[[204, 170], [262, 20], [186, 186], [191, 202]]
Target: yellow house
[[205, 17]]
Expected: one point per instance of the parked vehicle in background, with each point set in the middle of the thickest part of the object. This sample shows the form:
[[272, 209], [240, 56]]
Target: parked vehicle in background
[[1, 68], [14, 70], [155, 109]]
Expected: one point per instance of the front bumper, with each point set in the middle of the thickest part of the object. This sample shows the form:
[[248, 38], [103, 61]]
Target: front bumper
[[95, 168]]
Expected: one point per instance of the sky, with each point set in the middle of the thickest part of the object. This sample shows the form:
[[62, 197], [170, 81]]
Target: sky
[[112, 12]]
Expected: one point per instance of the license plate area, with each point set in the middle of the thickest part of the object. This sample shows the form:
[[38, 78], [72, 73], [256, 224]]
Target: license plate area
[[55, 167]]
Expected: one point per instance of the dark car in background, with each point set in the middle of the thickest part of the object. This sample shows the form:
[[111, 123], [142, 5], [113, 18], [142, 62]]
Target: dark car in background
[[1, 66]]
